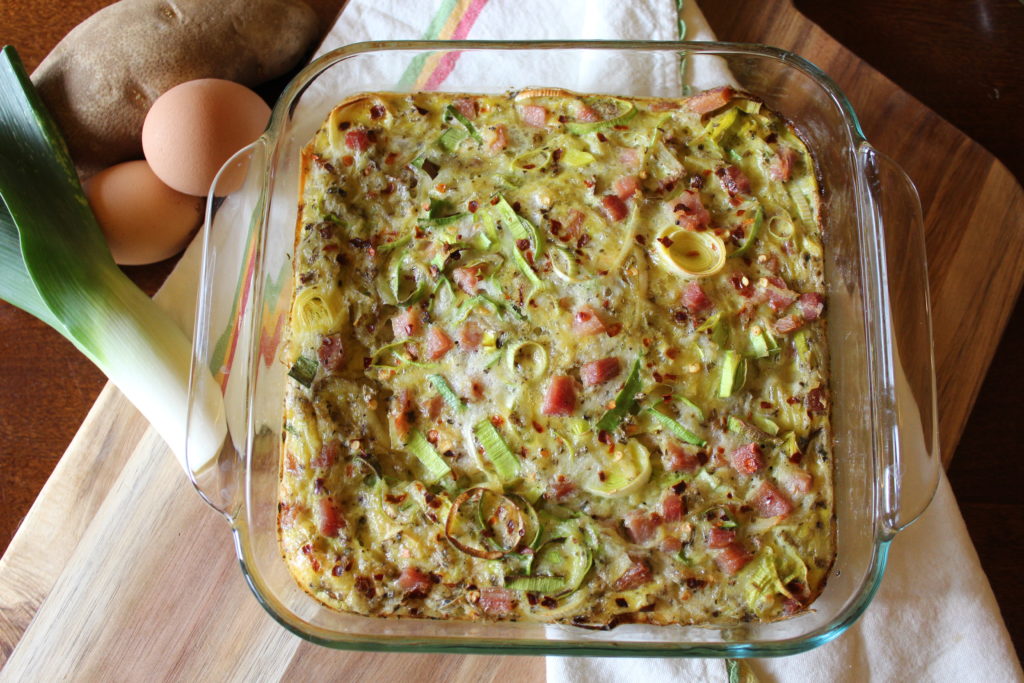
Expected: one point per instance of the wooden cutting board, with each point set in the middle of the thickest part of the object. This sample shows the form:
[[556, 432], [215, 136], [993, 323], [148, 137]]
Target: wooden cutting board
[[121, 572]]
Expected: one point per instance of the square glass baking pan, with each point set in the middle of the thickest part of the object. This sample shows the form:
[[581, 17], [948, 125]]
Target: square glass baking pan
[[882, 379]]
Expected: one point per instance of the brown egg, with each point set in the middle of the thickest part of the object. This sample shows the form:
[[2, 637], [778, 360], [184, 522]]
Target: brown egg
[[144, 220], [193, 128]]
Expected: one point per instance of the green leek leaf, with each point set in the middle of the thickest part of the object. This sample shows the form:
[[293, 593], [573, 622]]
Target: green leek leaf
[[80, 291], [623, 400]]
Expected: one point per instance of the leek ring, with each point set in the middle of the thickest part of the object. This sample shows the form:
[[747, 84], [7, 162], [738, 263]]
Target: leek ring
[[689, 253]]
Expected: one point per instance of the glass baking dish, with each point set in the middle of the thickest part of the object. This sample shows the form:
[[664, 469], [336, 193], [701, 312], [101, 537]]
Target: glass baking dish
[[884, 417]]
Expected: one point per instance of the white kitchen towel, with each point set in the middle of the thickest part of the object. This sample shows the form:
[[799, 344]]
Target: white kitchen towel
[[934, 618]]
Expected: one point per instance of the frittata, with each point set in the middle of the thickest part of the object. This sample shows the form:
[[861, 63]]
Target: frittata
[[558, 357]]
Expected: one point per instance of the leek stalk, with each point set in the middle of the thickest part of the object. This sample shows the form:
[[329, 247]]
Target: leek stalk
[[57, 267]]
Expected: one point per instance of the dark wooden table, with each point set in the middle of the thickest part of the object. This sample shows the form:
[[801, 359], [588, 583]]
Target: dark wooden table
[[965, 60]]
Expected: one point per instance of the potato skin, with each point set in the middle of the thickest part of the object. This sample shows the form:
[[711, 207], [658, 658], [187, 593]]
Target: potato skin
[[101, 79]]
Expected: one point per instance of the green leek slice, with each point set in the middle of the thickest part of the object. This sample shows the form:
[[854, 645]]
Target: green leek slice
[[765, 424], [734, 374], [496, 450], [758, 341], [718, 126], [449, 396], [423, 451], [536, 584], [534, 366], [451, 138], [501, 527], [630, 471], [304, 370], [576, 158], [693, 406], [624, 400], [677, 429], [471, 130], [689, 253], [755, 229]]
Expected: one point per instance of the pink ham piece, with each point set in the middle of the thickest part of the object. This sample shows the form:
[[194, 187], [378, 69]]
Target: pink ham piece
[[747, 459], [781, 166], [330, 518], [331, 353], [641, 526], [721, 538], [672, 507], [600, 371], [468, 279], [709, 100], [614, 207], [811, 304], [534, 115], [769, 501], [733, 558], [500, 140], [328, 455], [497, 601], [695, 299], [408, 323], [587, 321], [402, 413], [414, 582], [637, 575], [679, 458], [690, 212], [585, 114], [797, 482], [358, 140], [560, 398], [733, 180], [779, 296], [626, 186], [438, 343], [466, 107], [470, 336]]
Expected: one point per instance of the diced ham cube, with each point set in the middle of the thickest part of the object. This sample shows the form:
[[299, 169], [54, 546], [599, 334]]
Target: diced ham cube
[[811, 305], [637, 575], [470, 336], [721, 538], [614, 207], [679, 458], [816, 400], [585, 114], [402, 413], [690, 212], [600, 371], [497, 601], [747, 459], [695, 299], [328, 455], [788, 323], [468, 279], [358, 139], [438, 343], [709, 100], [560, 398], [500, 139], [671, 544], [332, 353], [797, 482], [779, 296], [733, 180], [770, 502], [733, 558], [330, 518], [672, 508], [408, 323], [781, 166], [534, 115], [466, 107], [414, 582], [626, 186], [641, 526]]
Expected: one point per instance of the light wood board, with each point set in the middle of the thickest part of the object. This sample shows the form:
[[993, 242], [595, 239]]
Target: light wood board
[[120, 572]]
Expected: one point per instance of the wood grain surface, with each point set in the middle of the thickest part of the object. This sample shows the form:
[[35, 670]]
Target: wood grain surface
[[83, 594]]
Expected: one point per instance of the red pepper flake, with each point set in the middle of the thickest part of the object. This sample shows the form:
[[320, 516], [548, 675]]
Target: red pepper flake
[[765, 405], [538, 428], [367, 362], [348, 160], [658, 377], [522, 244], [557, 154], [441, 187], [672, 354], [529, 167], [601, 137], [604, 437], [377, 111], [665, 241], [390, 158], [640, 239], [497, 420], [495, 200], [472, 206]]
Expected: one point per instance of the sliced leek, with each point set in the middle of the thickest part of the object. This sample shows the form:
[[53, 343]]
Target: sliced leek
[[689, 253], [624, 400], [497, 451], [628, 473], [677, 430], [431, 460], [447, 393], [527, 358], [57, 267], [623, 114]]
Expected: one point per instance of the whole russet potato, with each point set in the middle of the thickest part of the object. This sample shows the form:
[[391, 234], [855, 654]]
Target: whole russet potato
[[101, 79]]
